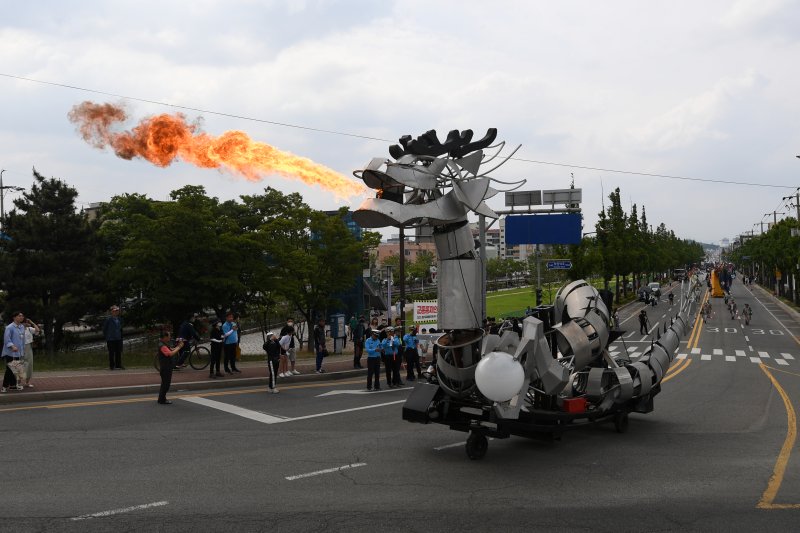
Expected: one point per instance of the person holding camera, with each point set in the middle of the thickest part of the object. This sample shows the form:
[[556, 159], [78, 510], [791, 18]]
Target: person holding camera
[[112, 332], [165, 364]]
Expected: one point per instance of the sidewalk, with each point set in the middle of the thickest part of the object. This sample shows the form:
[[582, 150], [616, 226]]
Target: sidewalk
[[61, 385]]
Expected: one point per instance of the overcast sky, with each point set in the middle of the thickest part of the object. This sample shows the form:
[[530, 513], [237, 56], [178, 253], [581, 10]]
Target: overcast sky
[[697, 89]]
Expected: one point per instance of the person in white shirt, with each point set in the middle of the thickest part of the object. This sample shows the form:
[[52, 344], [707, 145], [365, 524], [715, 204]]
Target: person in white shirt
[[31, 329]]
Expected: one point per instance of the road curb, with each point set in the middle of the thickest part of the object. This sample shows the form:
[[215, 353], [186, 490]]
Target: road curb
[[12, 397], [792, 312]]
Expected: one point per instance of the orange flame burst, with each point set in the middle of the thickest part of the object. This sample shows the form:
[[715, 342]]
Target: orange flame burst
[[162, 139]]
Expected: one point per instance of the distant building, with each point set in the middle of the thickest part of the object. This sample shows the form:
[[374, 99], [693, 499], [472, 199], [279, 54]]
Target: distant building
[[412, 250]]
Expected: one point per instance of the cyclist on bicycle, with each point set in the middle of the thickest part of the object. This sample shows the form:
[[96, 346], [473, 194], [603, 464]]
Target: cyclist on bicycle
[[187, 333]]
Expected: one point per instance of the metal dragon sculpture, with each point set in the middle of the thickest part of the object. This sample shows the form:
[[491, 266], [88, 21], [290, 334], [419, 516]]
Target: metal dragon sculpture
[[503, 384]]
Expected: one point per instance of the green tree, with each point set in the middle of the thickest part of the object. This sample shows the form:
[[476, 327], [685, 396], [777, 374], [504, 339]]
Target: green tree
[[50, 253]]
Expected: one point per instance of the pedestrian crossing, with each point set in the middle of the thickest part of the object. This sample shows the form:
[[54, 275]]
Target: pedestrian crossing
[[718, 354]]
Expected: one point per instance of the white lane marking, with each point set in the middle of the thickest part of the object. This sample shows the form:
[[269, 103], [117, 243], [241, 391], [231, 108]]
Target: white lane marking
[[455, 444], [643, 339], [695, 351], [359, 391], [740, 353], [763, 354], [781, 362], [749, 347], [270, 419], [613, 353], [747, 338], [234, 410], [787, 356], [119, 511], [629, 335], [681, 356], [730, 358], [773, 316], [342, 411], [631, 349], [636, 354], [705, 357], [439, 448], [717, 351], [326, 471], [755, 359], [651, 329]]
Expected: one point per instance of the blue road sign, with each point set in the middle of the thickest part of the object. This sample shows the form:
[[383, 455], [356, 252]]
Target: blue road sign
[[559, 264]]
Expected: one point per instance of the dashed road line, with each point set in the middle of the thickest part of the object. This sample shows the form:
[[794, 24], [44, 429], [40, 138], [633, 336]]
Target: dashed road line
[[326, 471], [112, 512]]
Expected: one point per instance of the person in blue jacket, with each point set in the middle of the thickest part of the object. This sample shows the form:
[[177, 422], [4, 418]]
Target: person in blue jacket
[[391, 347], [412, 353], [373, 348]]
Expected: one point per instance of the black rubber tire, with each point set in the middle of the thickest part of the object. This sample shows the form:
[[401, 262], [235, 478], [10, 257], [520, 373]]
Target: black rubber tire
[[477, 445], [621, 422], [200, 358]]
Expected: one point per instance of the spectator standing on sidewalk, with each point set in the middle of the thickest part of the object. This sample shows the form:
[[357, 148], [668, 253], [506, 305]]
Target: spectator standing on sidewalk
[[31, 329], [391, 346], [643, 322], [291, 349], [273, 349], [359, 332], [353, 323], [230, 334], [319, 344], [373, 347], [112, 331], [13, 348], [165, 364], [411, 352], [216, 349]]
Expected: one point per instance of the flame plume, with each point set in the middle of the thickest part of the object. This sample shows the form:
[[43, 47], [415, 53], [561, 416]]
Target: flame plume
[[161, 139]]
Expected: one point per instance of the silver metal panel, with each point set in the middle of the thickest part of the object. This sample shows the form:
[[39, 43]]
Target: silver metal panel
[[572, 342], [471, 163], [594, 384], [644, 377], [459, 294], [454, 243], [625, 384]]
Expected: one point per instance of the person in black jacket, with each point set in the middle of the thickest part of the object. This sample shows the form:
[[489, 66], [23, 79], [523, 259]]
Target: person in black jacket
[[273, 349], [186, 333], [319, 344], [216, 349]]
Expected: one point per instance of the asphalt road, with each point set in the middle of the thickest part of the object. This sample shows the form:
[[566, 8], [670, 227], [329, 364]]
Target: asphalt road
[[717, 453]]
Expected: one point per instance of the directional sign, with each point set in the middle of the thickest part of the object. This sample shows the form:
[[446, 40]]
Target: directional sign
[[559, 264]]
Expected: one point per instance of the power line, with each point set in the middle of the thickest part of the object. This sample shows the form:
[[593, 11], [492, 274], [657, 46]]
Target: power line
[[371, 138]]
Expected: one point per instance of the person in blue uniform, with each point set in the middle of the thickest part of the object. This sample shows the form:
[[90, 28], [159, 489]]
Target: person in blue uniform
[[373, 348], [412, 354], [391, 348]]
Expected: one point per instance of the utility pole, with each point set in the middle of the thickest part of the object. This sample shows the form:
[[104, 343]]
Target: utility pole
[[402, 279]]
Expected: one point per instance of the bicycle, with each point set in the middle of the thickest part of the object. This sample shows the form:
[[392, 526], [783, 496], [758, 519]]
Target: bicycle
[[199, 357]]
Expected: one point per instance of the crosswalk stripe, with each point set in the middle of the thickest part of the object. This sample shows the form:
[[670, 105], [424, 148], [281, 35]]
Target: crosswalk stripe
[[717, 351], [730, 358], [706, 357], [781, 362], [755, 360], [681, 356], [740, 353], [787, 356], [763, 354], [695, 351]]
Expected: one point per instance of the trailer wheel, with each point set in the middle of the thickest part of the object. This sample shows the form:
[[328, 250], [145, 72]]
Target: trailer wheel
[[621, 422], [477, 444]]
